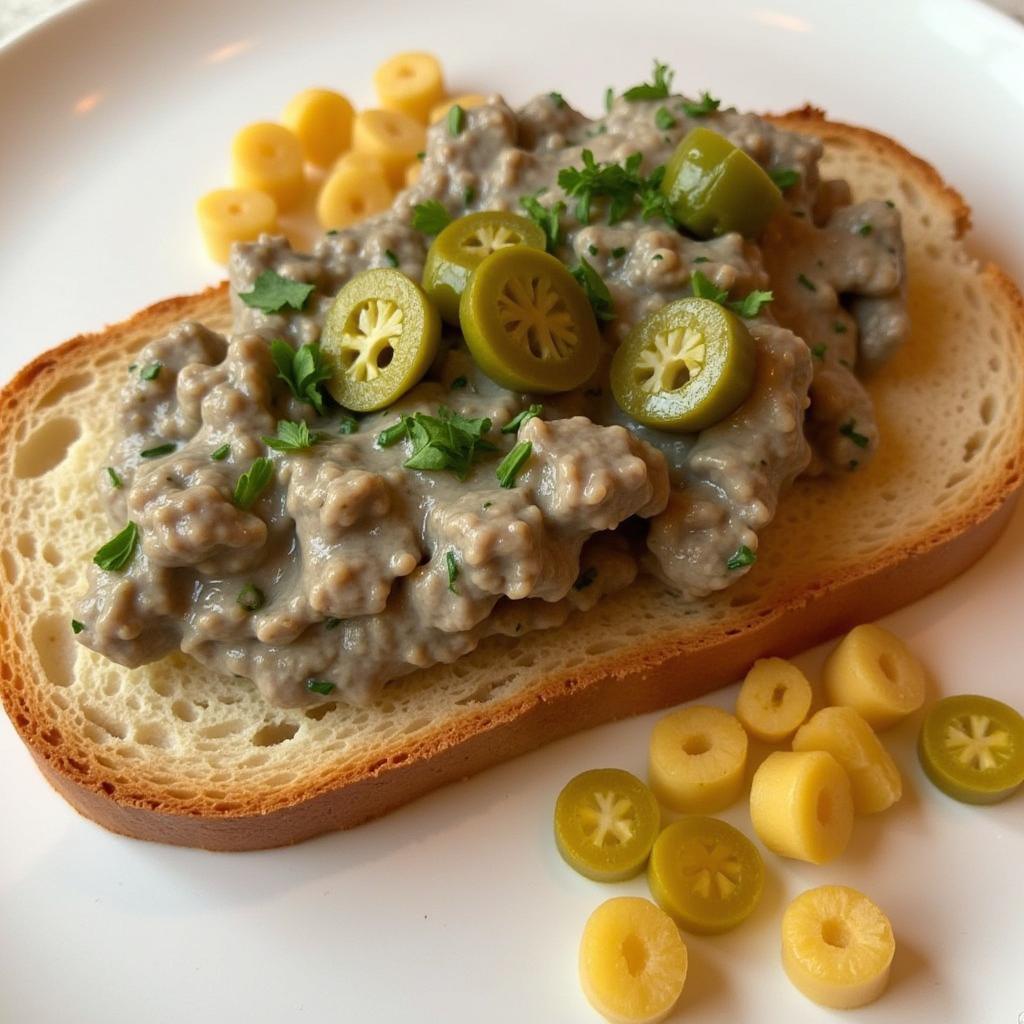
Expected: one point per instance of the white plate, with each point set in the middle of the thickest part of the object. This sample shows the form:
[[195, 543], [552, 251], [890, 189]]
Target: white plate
[[116, 117]]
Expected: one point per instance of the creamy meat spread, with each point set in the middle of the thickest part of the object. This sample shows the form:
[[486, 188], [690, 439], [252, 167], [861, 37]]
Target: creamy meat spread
[[354, 554]]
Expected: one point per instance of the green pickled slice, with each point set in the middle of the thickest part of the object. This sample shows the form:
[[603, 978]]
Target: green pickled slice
[[715, 187], [605, 823], [706, 874], [527, 322], [972, 748], [380, 336], [684, 367], [462, 246]]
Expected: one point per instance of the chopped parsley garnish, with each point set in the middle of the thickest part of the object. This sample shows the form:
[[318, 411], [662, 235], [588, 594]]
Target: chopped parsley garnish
[[595, 289], [430, 217], [158, 450], [701, 259], [115, 478], [518, 420], [657, 257], [321, 686], [118, 551], [818, 351], [546, 219], [749, 306], [348, 425], [706, 105], [151, 371], [445, 441], [251, 598], [654, 202], [847, 430], [784, 177], [657, 89], [663, 119], [617, 182], [332, 622], [609, 98], [458, 384], [76, 626], [585, 578], [619, 251], [390, 258], [509, 467], [421, 155], [253, 482], [807, 282], [468, 194], [273, 293], [221, 453], [839, 327], [456, 119], [557, 98], [292, 437], [743, 557], [865, 229], [303, 370], [593, 250], [453, 570], [890, 204]]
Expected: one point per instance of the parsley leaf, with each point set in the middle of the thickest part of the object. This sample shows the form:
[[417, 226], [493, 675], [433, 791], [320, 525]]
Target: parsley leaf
[[525, 416], [76, 626], [865, 229], [430, 217], [546, 219], [118, 551], [456, 119], [251, 598], [663, 119], [221, 453], [292, 437], [159, 450], [743, 557], [453, 570], [658, 89], [707, 105], [468, 194], [321, 686], [303, 370], [557, 98], [784, 177], [444, 441], [348, 425], [839, 327], [818, 351], [458, 383], [390, 258], [609, 99], [595, 289], [807, 282], [151, 371], [653, 202], [751, 303], [253, 482], [509, 467], [619, 251], [115, 478], [393, 434], [704, 289], [272, 293], [847, 430], [617, 182]]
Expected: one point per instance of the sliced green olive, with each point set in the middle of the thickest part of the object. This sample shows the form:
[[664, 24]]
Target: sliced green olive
[[527, 322], [972, 748], [462, 246], [380, 335], [715, 187], [605, 823], [684, 367], [706, 874]]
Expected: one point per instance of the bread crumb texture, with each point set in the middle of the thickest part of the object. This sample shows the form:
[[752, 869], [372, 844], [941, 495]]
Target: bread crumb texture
[[175, 737]]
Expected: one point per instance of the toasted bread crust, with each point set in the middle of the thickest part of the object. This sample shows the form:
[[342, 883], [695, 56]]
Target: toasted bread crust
[[643, 679]]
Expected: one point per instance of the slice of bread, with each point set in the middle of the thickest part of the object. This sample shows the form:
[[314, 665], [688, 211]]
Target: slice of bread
[[175, 753]]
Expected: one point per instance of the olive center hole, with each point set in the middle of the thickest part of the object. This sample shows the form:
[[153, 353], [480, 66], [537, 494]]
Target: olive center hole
[[835, 933], [698, 744], [676, 376], [385, 357], [888, 667], [778, 695], [824, 807], [634, 952]]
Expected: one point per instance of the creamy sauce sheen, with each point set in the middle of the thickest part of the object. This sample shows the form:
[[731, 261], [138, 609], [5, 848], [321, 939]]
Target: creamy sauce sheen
[[354, 553]]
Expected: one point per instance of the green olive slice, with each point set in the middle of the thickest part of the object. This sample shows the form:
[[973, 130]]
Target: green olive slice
[[706, 874], [527, 322], [605, 823], [380, 335], [715, 187], [972, 748], [684, 367], [462, 246]]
